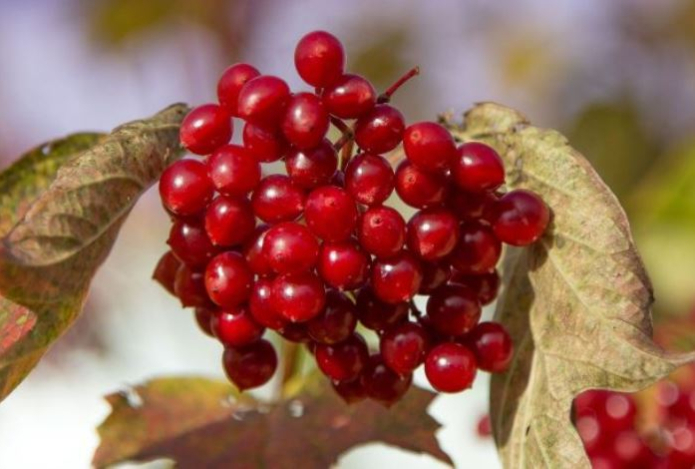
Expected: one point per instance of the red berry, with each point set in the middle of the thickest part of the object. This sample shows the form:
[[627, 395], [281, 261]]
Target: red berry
[[205, 129], [469, 206], [492, 346], [295, 332], [434, 275], [382, 232], [290, 248], [453, 310], [277, 199], [336, 323], [298, 297], [484, 427], [251, 366], [403, 347], [380, 130], [190, 243], [485, 286], [185, 187], [312, 167], [376, 315], [228, 279], [165, 272], [319, 58], [397, 278], [350, 391], [429, 146], [521, 217], [234, 171], [382, 384], [432, 234], [261, 307], [477, 251], [189, 287], [350, 97], [235, 327], [306, 121], [369, 179], [203, 317], [343, 361], [262, 100], [229, 221], [418, 188], [477, 168], [264, 144], [230, 84], [450, 367], [331, 213], [253, 252], [343, 265]]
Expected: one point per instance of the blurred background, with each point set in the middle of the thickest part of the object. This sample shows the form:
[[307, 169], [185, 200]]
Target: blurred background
[[617, 77]]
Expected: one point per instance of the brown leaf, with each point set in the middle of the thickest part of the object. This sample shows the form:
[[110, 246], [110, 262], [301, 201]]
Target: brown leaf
[[62, 205], [201, 423]]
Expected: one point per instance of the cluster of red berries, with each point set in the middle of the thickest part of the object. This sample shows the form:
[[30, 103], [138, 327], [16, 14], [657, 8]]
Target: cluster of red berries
[[329, 254]]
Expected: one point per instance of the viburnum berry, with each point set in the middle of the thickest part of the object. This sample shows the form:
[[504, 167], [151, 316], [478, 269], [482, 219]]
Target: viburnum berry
[[343, 265], [369, 179], [380, 130], [277, 199], [235, 327], [342, 361], [336, 323], [477, 168], [261, 306], [350, 97], [492, 346], [266, 145], [472, 206], [233, 170], [185, 187], [486, 286], [434, 275], [229, 221], [165, 272], [262, 100], [203, 317], [205, 129], [521, 217], [376, 315], [319, 58], [298, 297], [250, 366], [253, 252], [429, 147], [432, 234], [312, 167], [397, 278], [350, 391], [305, 122], [403, 347], [190, 243], [189, 287], [228, 279], [290, 248], [453, 310], [418, 188], [382, 232], [382, 384], [231, 81], [331, 213], [478, 249], [450, 367]]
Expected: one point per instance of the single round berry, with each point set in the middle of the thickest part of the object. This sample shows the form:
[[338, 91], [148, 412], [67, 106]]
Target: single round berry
[[228, 279], [262, 100], [229, 221], [418, 188], [521, 217], [376, 315], [397, 278], [189, 287], [453, 310], [185, 187], [336, 323], [235, 327], [477, 251], [369, 179], [190, 243], [253, 252], [429, 146], [434, 275], [251, 366], [350, 391], [484, 427], [450, 367], [492, 346], [261, 307], [298, 297], [477, 168], [312, 167], [342, 361], [380, 130], [231, 81], [382, 232], [295, 332], [306, 121], [350, 97], [382, 384], [331, 213], [319, 58], [205, 129], [343, 265], [485, 286], [234, 171], [165, 272], [265, 145], [470, 206], [290, 248], [277, 199], [403, 347], [203, 317], [432, 234]]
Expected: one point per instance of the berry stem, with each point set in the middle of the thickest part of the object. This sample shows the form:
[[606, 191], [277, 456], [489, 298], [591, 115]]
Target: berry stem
[[385, 97]]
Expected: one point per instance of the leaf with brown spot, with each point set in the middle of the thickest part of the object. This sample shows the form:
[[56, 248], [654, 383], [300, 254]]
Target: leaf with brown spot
[[200, 423]]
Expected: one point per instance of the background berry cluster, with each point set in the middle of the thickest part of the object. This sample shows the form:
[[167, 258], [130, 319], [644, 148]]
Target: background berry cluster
[[329, 255]]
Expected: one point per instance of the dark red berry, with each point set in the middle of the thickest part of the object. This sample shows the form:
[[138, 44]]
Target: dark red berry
[[251, 366], [382, 232], [350, 391], [298, 297], [190, 243], [277, 199], [343, 265], [450, 367], [453, 310], [434, 275], [231, 81], [484, 427], [477, 168], [492, 346], [189, 287], [376, 315], [403, 347], [485, 286], [185, 187], [350, 97], [229, 221], [296, 332], [397, 278], [382, 384], [253, 252], [469, 206], [312, 167], [521, 217], [234, 171], [228, 279], [262, 100], [380, 130], [369, 179], [418, 188], [205, 129], [342, 361], [264, 144], [261, 307], [235, 327], [203, 317], [429, 146], [290, 248], [319, 58], [477, 251], [336, 323], [432, 234], [306, 121], [165, 272], [331, 213]]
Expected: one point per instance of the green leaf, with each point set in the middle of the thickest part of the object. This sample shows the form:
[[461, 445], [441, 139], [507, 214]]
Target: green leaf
[[201, 423], [62, 205], [577, 303]]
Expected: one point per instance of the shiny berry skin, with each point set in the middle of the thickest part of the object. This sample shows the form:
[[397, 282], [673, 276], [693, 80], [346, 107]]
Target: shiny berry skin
[[342, 361], [233, 170], [336, 323], [382, 384], [261, 308], [228, 279], [450, 367], [429, 146], [477, 168], [290, 248], [350, 391], [189, 287], [434, 275], [205, 129], [165, 272], [190, 243], [350, 97], [418, 188], [376, 315], [453, 310], [235, 327], [312, 167], [432, 234], [253, 252], [382, 232], [468, 206], [277, 199], [298, 297], [403, 347], [203, 317], [319, 58], [296, 332], [262, 100], [521, 217], [251, 366], [369, 179], [380, 130], [306, 121], [477, 251], [231, 81], [343, 265], [185, 187], [486, 286], [397, 278], [264, 144], [229, 221], [492, 346], [330, 213]]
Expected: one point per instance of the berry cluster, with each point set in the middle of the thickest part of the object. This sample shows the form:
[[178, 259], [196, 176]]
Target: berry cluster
[[328, 253]]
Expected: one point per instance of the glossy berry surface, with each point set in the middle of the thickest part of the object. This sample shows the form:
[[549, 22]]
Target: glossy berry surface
[[190, 243], [319, 58], [261, 307], [312, 167], [298, 297], [230, 83], [343, 265], [251, 366], [382, 232], [185, 187], [229, 221], [521, 217], [382, 384], [477, 168], [228, 279], [262, 100], [380, 130], [486, 286], [453, 310], [205, 129], [350, 97], [233, 170], [342, 361], [477, 251], [266, 145], [165, 271], [369, 179], [235, 327], [429, 147], [403, 347], [277, 199], [397, 278], [376, 315], [450, 367], [419, 188], [331, 213], [189, 287], [290, 248], [492, 346], [336, 323], [433, 234], [305, 122], [253, 252]]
